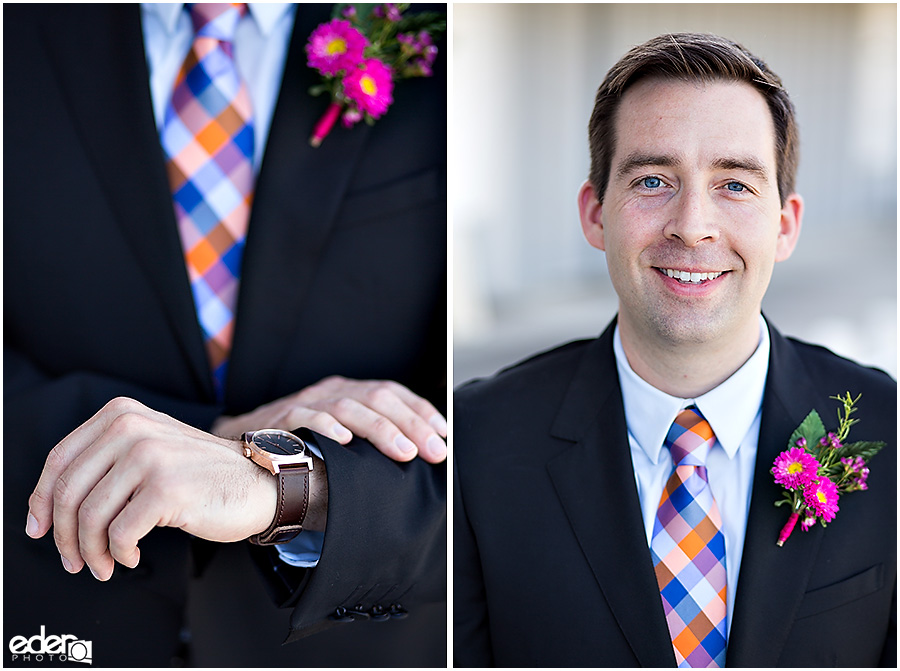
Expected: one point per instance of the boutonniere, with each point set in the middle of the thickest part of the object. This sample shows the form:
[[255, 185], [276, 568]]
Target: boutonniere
[[361, 52], [819, 466]]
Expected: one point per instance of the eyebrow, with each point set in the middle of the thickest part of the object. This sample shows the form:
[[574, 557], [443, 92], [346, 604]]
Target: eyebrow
[[637, 160], [747, 164]]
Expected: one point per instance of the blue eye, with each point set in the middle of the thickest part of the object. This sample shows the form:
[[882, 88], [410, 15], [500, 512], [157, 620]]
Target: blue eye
[[737, 187], [651, 182]]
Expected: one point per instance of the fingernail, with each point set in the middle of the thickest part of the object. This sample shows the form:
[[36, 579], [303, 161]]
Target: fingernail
[[94, 573], [405, 444], [341, 432], [437, 448], [66, 564], [439, 424], [31, 526]]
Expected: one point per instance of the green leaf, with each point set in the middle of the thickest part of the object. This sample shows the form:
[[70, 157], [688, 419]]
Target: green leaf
[[810, 428], [434, 22], [865, 449]]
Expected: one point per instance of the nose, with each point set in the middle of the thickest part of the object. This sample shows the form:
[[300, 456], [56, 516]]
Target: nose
[[692, 220]]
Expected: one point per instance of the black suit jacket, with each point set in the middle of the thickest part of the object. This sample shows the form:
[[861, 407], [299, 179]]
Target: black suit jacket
[[551, 563], [344, 273]]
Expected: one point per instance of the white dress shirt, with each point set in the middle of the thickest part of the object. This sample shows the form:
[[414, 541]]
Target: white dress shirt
[[260, 50], [733, 410]]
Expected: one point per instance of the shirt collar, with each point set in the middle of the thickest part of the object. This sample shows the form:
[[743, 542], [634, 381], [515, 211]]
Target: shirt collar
[[265, 14], [730, 408]]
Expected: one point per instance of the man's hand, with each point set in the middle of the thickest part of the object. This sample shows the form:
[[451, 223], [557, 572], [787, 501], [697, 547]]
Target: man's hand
[[387, 414], [129, 469]]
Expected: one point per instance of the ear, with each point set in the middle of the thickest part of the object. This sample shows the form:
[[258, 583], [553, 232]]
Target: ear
[[589, 209], [789, 231]]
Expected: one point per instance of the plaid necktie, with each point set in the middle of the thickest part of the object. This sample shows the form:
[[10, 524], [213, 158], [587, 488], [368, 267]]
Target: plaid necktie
[[207, 136], [688, 548]]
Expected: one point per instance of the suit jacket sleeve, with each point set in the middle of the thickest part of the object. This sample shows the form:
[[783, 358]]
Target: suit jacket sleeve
[[385, 543], [471, 639]]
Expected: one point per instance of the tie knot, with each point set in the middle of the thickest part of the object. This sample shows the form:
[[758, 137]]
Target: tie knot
[[690, 438], [216, 20]]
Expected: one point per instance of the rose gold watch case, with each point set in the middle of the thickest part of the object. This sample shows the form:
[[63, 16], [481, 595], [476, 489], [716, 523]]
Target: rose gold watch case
[[270, 461]]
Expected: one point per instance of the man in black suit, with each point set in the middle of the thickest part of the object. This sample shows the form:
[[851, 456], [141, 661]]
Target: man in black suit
[[342, 288], [559, 464]]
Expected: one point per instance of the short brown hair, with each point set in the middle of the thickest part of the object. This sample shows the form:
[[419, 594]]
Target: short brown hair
[[691, 57]]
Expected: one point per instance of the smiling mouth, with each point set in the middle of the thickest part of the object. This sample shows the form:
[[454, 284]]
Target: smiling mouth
[[687, 277]]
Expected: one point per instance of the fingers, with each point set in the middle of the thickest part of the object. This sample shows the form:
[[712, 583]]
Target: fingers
[[422, 408], [135, 521], [320, 421], [40, 503], [99, 537], [392, 418], [71, 490], [80, 491], [375, 427], [397, 421], [90, 493]]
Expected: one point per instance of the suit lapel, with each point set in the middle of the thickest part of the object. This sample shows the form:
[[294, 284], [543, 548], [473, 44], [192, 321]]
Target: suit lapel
[[594, 481], [298, 193], [118, 131], [773, 579]]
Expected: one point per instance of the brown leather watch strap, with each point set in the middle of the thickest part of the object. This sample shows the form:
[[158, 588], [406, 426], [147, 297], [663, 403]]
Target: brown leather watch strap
[[290, 511]]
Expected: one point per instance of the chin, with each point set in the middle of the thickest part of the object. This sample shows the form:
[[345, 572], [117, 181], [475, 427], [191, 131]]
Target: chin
[[690, 329]]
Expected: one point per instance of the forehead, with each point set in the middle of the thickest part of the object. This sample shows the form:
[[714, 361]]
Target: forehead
[[696, 121]]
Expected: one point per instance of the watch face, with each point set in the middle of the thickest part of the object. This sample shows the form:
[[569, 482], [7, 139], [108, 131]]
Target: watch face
[[278, 442]]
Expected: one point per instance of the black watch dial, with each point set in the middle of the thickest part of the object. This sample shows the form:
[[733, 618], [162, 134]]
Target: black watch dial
[[278, 442]]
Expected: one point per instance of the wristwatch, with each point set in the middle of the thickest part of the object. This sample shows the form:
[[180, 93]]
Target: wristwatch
[[288, 458]]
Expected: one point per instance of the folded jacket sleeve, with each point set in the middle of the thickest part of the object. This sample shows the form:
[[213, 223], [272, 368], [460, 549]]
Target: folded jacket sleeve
[[385, 546]]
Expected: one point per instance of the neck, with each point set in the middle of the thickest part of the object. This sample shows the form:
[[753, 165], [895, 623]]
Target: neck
[[687, 369]]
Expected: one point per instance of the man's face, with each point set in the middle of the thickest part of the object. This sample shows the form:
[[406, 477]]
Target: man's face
[[691, 219]]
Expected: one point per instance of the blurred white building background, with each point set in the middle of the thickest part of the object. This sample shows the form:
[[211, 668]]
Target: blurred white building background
[[524, 80]]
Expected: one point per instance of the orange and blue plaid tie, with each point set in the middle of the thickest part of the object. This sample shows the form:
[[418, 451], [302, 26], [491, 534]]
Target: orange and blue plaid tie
[[208, 139], [688, 548]]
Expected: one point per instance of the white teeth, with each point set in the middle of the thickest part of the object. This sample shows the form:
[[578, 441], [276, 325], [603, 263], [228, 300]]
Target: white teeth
[[693, 278]]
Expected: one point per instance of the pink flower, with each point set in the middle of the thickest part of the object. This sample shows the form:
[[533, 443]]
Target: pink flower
[[388, 10], [821, 496], [335, 46], [370, 87], [794, 468], [807, 522], [857, 472], [351, 117]]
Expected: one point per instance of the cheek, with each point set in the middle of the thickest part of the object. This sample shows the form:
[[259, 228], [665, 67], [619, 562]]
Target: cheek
[[752, 232], [637, 225], [757, 253]]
